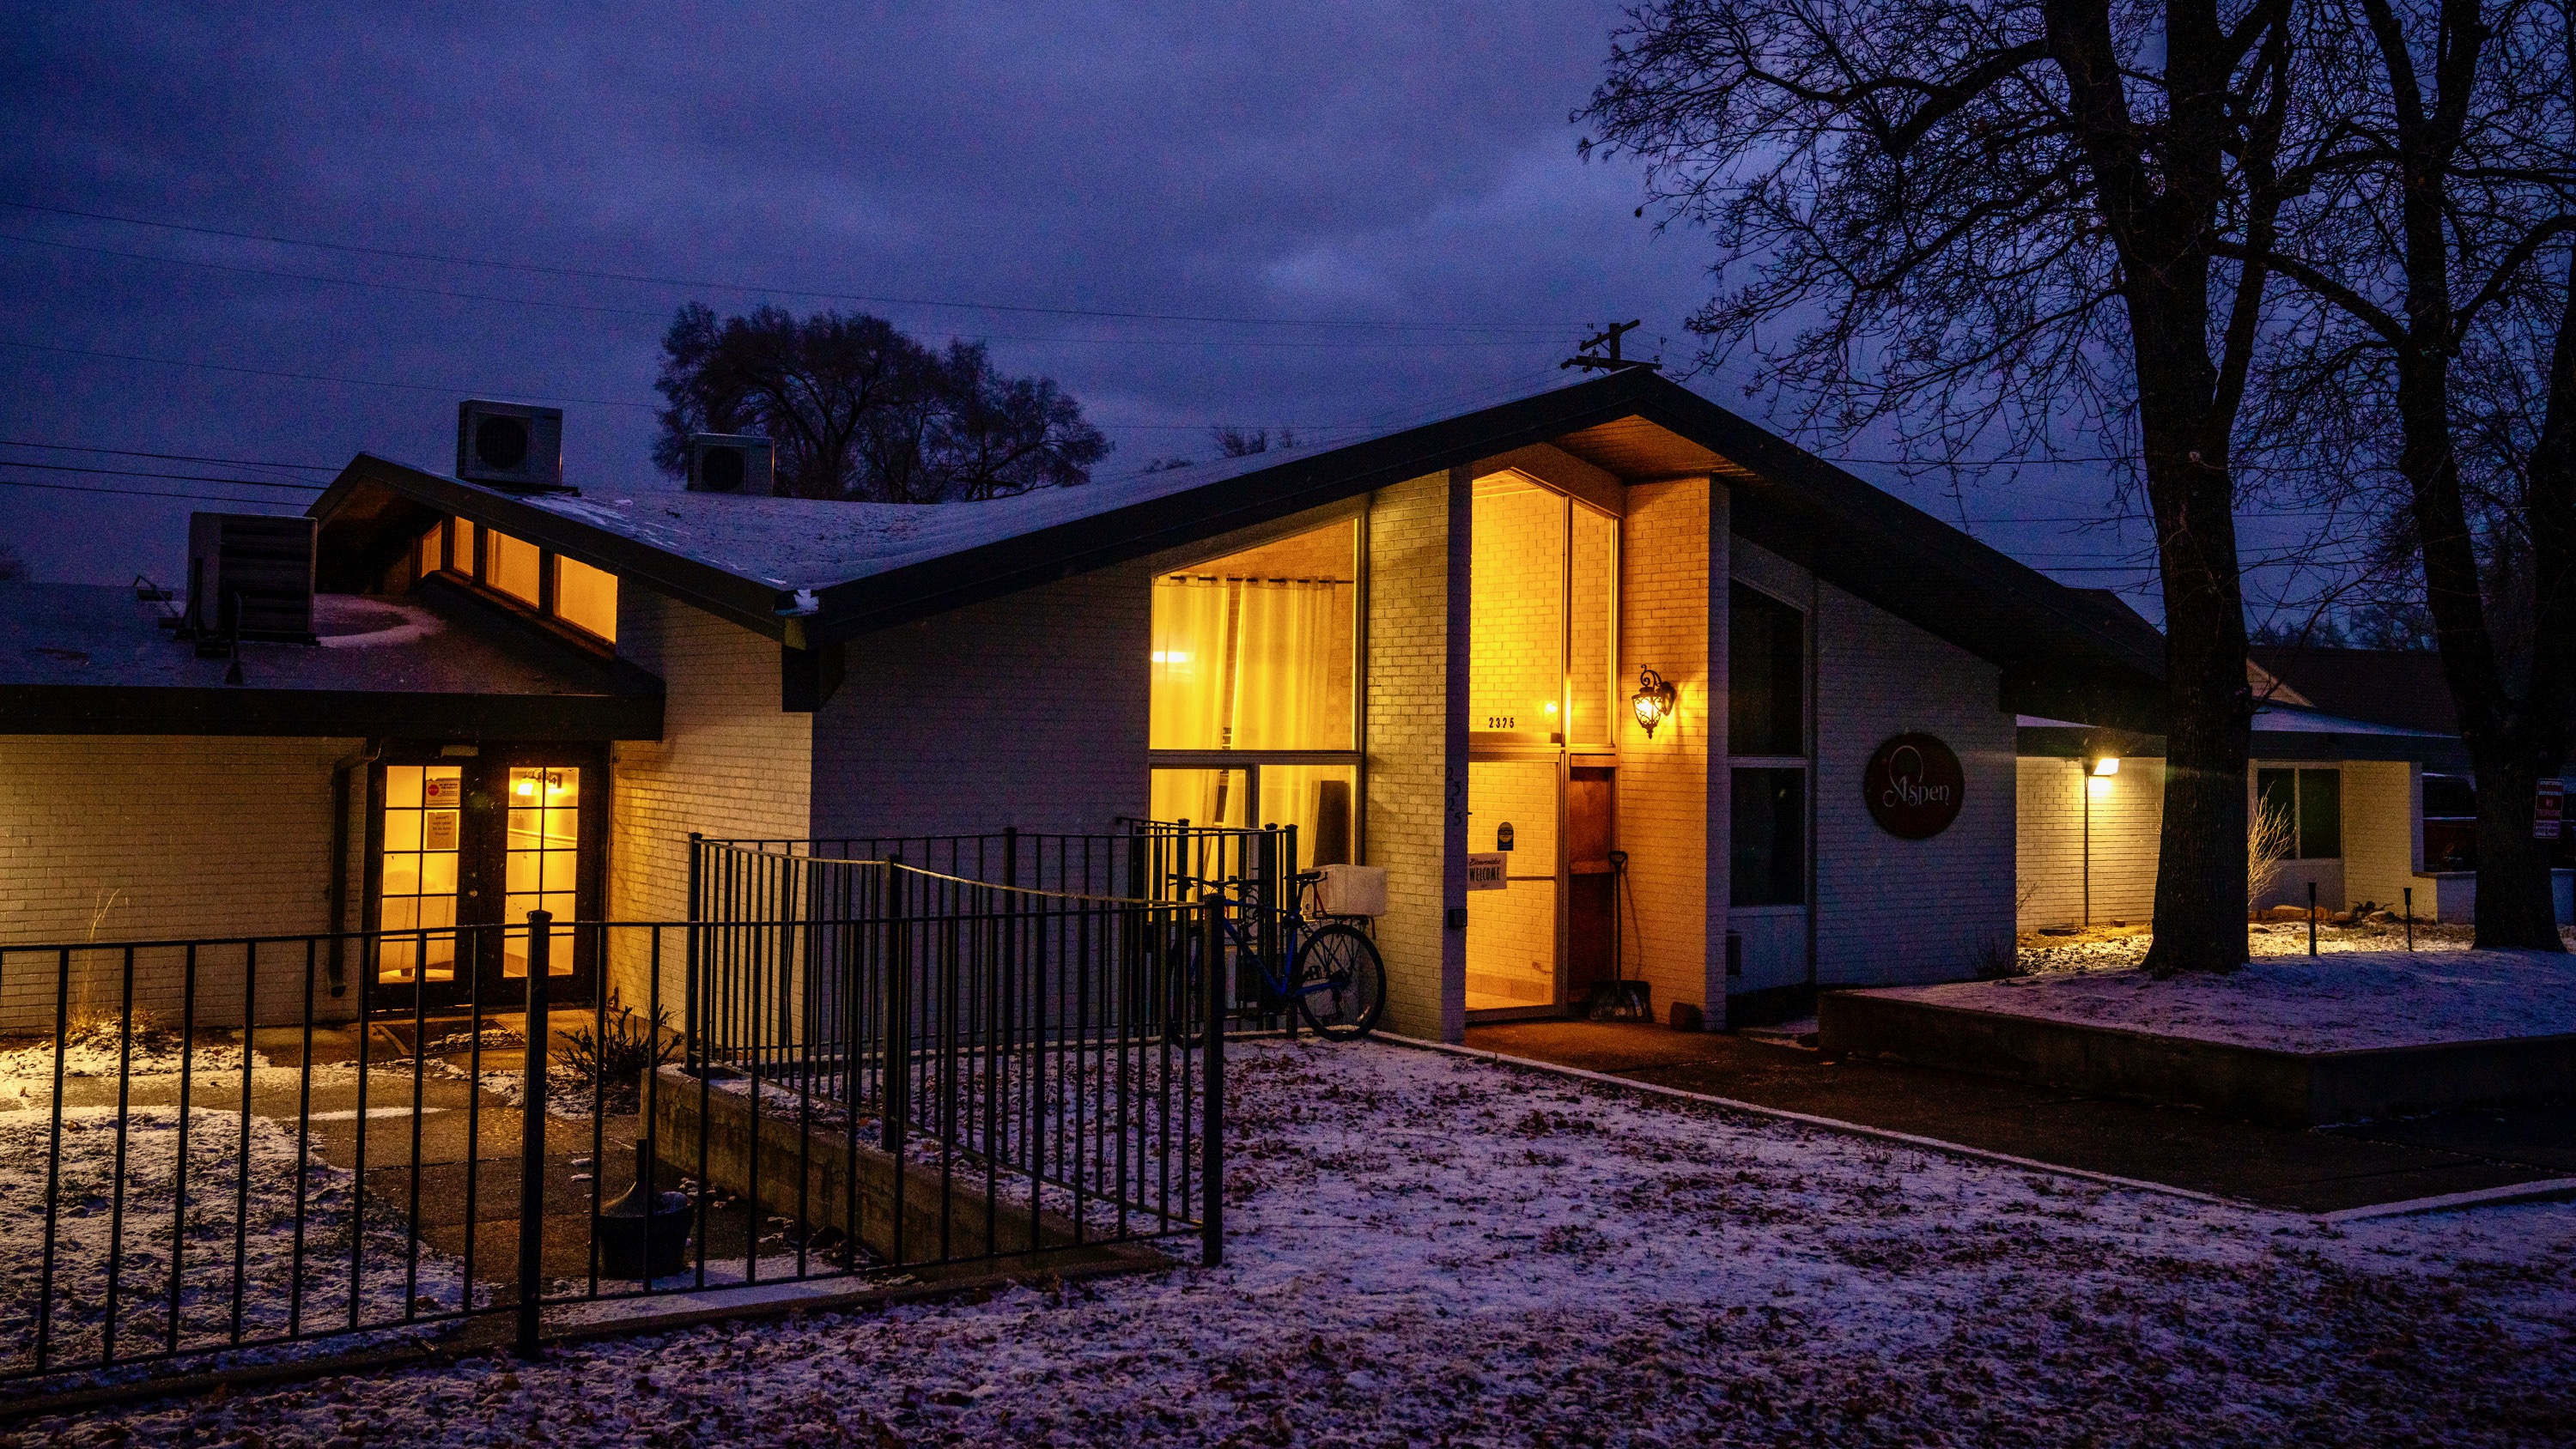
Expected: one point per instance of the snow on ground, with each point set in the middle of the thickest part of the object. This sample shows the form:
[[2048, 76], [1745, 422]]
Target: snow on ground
[[1427, 1248], [2339, 1002], [96, 1047], [228, 1211], [2112, 948]]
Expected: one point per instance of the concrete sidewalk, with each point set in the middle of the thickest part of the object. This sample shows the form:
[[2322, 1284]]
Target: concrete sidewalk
[[2323, 1170]]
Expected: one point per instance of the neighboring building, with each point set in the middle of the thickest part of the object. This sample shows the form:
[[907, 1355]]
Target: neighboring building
[[1415, 647]]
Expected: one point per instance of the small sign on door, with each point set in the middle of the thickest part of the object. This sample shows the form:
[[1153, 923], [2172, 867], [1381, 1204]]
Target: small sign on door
[[2550, 810], [1485, 871]]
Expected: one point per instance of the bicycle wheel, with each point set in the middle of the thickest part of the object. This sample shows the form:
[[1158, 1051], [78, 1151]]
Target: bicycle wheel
[[1341, 982]]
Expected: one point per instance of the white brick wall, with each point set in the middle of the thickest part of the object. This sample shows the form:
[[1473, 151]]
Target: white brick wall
[[127, 838], [730, 764], [1890, 910], [1663, 788], [2127, 811], [1407, 703], [1028, 710], [2382, 831]]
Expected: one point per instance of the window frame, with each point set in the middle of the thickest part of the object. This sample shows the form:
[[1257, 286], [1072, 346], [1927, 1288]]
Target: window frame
[[474, 574], [1354, 517]]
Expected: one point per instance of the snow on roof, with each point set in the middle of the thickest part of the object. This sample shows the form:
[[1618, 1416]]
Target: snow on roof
[[809, 543]]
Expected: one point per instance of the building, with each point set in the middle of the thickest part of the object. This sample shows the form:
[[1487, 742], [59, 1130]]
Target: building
[[1728, 719]]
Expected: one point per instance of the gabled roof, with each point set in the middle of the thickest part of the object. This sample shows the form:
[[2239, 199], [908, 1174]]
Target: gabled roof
[[2402, 687], [872, 566]]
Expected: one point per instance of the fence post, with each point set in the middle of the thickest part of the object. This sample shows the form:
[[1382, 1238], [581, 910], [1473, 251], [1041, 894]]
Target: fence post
[[2410, 917], [2312, 918], [1212, 1114], [532, 1133], [689, 945], [896, 1103], [1270, 937]]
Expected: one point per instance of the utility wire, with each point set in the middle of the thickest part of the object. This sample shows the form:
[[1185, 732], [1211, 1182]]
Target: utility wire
[[146, 493], [169, 457], [313, 377], [661, 316], [182, 477], [706, 284]]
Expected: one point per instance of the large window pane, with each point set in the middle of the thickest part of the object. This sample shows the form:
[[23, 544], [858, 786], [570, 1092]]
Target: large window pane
[[1254, 651], [1768, 823], [1516, 639], [585, 597], [1322, 801], [417, 872], [543, 859], [2320, 815], [1511, 933], [1592, 631], [1201, 797], [1766, 675], [512, 566]]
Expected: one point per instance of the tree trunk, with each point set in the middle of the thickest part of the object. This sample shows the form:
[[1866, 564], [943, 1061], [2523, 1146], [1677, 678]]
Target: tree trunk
[[2514, 898]]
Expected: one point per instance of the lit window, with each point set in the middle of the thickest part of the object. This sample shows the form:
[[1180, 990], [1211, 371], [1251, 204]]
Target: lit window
[[460, 557], [433, 549], [1254, 651], [423, 816], [512, 567], [544, 863], [585, 597]]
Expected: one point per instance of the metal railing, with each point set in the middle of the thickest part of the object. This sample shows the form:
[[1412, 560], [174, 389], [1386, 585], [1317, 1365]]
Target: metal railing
[[204, 1152]]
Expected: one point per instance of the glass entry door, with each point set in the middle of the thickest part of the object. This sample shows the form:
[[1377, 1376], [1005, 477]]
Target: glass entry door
[[467, 841]]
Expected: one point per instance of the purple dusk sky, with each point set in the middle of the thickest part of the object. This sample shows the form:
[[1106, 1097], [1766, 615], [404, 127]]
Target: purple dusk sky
[[1314, 161]]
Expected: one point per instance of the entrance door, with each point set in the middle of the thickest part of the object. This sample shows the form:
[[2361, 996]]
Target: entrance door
[[480, 840], [1591, 885]]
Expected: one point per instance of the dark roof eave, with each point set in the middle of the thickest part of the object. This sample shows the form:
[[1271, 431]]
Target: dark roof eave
[[76, 709], [747, 602]]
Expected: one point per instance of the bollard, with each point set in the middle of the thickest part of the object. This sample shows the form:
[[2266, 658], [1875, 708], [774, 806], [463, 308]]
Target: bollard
[[2312, 918], [2410, 917], [532, 1133], [1212, 1114]]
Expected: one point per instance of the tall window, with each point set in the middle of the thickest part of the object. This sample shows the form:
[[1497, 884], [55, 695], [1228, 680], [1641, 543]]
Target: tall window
[[1766, 734], [585, 597], [544, 861], [1255, 657], [511, 565], [2310, 803], [423, 823]]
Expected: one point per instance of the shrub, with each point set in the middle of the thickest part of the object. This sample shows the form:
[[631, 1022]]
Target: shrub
[[614, 1058]]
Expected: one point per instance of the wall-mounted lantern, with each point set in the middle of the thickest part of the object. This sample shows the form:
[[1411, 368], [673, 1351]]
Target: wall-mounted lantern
[[2106, 764], [1653, 700]]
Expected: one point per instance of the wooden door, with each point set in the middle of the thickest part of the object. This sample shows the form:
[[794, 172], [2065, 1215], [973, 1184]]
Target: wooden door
[[1591, 886]]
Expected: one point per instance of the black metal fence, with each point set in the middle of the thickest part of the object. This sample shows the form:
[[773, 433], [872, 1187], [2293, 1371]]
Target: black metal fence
[[205, 1151]]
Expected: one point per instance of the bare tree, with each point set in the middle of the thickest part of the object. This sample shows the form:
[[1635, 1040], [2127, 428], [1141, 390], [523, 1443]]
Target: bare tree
[[1985, 223], [859, 410], [2428, 240]]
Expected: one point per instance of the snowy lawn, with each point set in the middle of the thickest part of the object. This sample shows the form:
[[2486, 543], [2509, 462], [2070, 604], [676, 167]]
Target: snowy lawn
[[229, 1211], [1433, 1249], [2338, 1002]]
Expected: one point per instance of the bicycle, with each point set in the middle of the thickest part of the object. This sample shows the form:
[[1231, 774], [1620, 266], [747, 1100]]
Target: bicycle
[[1331, 973]]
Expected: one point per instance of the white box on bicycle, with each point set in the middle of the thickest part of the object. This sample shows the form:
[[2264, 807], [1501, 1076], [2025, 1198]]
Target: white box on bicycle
[[1352, 890]]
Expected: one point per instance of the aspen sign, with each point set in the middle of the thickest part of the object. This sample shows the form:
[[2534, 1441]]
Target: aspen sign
[[1913, 787]]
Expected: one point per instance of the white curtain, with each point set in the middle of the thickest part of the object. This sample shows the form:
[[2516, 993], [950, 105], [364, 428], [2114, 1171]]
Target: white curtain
[[1282, 678], [1188, 707]]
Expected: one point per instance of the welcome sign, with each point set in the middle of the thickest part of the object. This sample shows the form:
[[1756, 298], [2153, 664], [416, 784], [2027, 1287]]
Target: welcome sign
[[1913, 786]]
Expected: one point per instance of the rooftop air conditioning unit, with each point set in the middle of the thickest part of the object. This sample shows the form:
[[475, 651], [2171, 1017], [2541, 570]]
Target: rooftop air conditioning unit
[[250, 576], [510, 444], [732, 463]]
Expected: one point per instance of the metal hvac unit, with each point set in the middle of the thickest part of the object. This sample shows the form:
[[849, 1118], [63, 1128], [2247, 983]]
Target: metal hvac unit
[[732, 463], [250, 576], [510, 444]]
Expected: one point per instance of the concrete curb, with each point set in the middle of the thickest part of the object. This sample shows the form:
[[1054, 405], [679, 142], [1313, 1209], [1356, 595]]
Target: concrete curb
[[2553, 1189], [1836, 1124]]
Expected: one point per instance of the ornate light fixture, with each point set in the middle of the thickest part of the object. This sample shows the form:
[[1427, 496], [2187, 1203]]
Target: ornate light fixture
[[1653, 700]]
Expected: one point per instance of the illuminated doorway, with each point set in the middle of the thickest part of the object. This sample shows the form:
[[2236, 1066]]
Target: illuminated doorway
[[462, 846], [1542, 759]]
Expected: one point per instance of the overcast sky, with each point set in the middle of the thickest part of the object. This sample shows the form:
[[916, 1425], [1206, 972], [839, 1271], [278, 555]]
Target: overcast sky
[[1296, 163]]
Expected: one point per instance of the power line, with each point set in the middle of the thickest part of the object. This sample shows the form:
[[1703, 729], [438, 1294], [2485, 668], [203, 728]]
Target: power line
[[314, 377], [705, 284], [182, 477], [169, 457], [145, 493], [658, 316]]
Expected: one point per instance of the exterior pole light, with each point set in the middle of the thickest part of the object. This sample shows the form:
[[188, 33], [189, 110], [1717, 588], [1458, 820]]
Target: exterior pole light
[[1653, 700], [2106, 765]]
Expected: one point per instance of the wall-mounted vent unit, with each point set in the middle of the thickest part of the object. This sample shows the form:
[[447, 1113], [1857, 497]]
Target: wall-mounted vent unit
[[250, 576], [732, 463], [510, 444]]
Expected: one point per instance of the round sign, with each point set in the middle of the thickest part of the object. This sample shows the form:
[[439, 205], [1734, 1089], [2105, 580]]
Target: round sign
[[1913, 787]]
